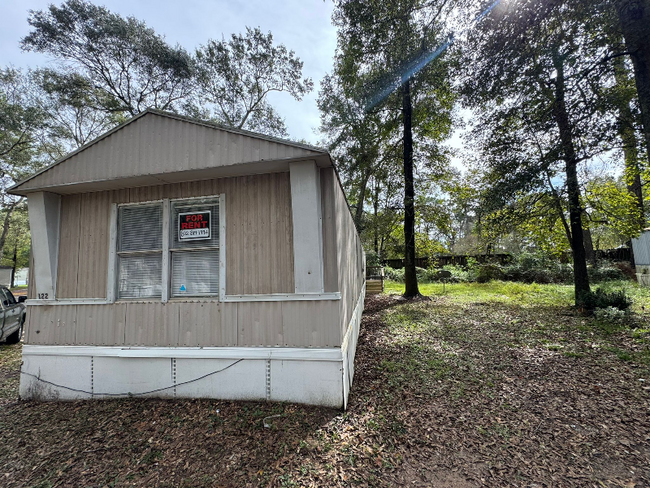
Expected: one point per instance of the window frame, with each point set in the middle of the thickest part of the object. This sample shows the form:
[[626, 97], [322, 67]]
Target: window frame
[[167, 222]]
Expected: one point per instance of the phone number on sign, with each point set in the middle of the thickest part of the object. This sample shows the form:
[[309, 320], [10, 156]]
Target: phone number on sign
[[194, 233]]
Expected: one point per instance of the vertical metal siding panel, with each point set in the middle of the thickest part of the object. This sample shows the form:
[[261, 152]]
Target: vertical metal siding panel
[[247, 239], [264, 150], [145, 194], [241, 148], [157, 144], [311, 324], [69, 235], [251, 147], [224, 148], [171, 191], [205, 188], [149, 145], [206, 324], [197, 141], [41, 326], [255, 236], [284, 230], [145, 145], [273, 150], [348, 250], [259, 324], [115, 156], [101, 325], [31, 279], [273, 242], [330, 265], [119, 196], [93, 245], [61, 327], [27, 327], [235, 236], [641, 247], [152, 324], [181, 135]]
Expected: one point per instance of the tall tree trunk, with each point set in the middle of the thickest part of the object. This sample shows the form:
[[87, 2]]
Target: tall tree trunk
[[358, 214], [590, 253], [634, 16], [410, 276], [580, 276], [375, 208], [627, 134]]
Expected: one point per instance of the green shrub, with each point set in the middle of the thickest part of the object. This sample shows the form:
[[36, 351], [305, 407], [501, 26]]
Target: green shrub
[[372, 259], [458, 273], [606, 271], [394, 274], [489, 272], [602, 299], [537, 268], [611, 314]]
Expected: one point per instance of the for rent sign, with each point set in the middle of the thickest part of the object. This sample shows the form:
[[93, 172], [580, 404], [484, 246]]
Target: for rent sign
[[194, 225]]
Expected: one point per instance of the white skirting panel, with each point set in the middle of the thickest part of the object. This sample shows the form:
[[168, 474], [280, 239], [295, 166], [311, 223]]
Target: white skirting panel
[[301, 375], [349, 347]]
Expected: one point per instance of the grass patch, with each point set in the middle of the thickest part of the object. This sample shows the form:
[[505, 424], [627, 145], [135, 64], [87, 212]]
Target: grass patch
[[525, 294]]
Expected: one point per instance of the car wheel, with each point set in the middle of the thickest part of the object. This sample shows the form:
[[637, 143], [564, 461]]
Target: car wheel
[[15, 337]]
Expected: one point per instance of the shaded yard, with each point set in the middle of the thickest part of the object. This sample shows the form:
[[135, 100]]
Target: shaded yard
[[487, 385]]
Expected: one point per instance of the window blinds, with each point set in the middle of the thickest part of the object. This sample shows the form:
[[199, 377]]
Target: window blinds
[[140, 251], [195, 262]]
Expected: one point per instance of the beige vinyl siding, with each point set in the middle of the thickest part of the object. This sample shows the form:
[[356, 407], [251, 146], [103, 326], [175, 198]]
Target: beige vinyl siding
[[329, 185], [69, 237], [176, 324], [31, 289], [259, 244], [350, 258], [158, 145]]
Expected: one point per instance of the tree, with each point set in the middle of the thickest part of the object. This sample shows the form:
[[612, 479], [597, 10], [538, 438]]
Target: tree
[[623, 97], [358, 139], [119, 65], [537, 84], [71, 122], [21, 119], [634, 17], [390, 47], [17, 244], [236, 76]]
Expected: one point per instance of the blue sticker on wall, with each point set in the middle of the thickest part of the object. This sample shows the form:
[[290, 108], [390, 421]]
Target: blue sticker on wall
[[183, 288]]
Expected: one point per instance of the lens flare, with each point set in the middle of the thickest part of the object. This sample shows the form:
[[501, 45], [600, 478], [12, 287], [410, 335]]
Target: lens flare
[[419, 63]]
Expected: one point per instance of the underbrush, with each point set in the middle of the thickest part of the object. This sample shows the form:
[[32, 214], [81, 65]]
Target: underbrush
[[525, 268]]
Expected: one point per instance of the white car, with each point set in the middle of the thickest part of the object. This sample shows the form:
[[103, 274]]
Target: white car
[[13, 316]]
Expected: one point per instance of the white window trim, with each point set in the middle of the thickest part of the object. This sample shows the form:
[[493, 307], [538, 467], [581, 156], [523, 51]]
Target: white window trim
[[112, 295], [166, 274], [114, 254]]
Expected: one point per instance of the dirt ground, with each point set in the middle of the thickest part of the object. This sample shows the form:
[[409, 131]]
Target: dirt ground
[[447, 393]]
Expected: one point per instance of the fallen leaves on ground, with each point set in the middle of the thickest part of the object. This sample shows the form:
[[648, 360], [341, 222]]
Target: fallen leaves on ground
[[446, 393]]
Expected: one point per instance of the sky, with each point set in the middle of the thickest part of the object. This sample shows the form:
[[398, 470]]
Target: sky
[[303, 26]]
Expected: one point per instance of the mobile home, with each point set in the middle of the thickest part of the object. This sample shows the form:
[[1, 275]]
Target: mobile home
[[178, 258]]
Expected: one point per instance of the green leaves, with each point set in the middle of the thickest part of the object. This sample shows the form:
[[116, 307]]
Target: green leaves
[[126, 65], [235, 76]]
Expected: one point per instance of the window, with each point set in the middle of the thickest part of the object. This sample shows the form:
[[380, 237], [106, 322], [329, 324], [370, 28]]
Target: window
[[194, 247], [169, 249], [7, 298], [139, 251]]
